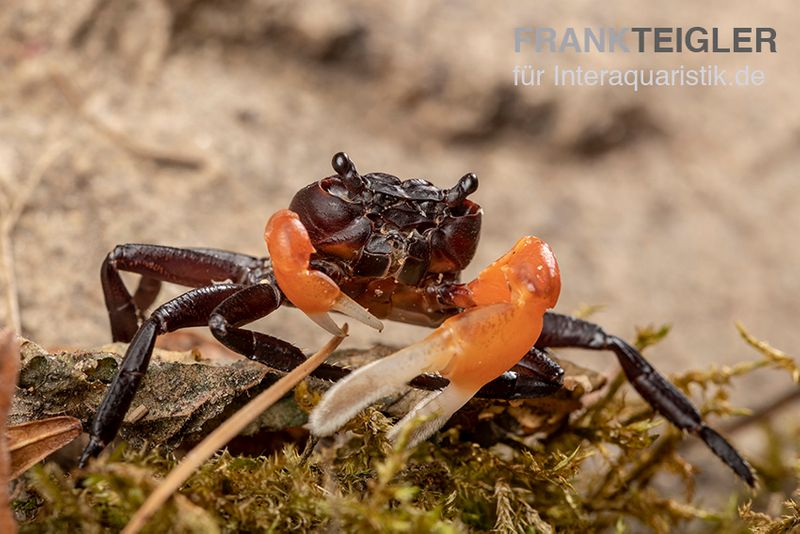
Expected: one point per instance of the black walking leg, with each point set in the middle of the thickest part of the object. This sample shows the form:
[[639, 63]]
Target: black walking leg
[[660, 393], [190, 309], [248, 305], [536, 375], [188, 267]]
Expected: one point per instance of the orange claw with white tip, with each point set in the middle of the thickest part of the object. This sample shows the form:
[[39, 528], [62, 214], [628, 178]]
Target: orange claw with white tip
[[505, 309], [310, 290]]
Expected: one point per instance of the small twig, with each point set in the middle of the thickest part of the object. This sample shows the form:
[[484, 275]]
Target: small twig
[[773, 355], [765, 412], [311, 444], [133, 146], [593, 409], [16, 205], [224, 433], [649, 460]]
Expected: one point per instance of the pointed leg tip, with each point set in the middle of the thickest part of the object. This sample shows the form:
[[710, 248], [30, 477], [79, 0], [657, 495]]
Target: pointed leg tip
[[745, 471], [92, 450], [728, 454]]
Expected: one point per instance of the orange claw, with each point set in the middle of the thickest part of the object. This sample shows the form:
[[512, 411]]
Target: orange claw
[[506, 305], [310, 290], [510, 296]]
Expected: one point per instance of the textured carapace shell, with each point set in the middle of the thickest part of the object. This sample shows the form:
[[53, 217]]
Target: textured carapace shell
[[383, 227]]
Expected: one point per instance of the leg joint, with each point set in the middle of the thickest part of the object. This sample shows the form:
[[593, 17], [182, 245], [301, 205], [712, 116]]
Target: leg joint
[[117, 253], [218, 325], [159, 321]]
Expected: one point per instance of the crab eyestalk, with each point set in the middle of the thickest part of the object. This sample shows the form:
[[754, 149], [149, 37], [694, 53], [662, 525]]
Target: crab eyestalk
[[346, 170], [310, 290], [466, 185], [509, 299]]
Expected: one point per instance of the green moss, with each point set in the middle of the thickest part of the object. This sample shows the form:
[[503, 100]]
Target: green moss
[[594, 474]]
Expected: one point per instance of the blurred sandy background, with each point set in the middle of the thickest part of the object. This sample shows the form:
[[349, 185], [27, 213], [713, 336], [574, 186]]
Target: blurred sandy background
[[189, 122]]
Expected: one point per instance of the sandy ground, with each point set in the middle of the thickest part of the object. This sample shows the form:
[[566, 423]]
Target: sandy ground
[[188, 123]]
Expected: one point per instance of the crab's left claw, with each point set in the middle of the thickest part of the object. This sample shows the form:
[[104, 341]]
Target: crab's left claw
[[310, 290], [471, 349], [376, 380]]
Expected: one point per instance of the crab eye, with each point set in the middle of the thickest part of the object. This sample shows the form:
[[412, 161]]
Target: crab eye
[[454, 242], [335, 226], [467, 185], [347, 172]]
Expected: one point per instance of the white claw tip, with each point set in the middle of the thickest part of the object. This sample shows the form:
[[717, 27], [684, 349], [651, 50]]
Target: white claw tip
[[325, 321], [347, 306]]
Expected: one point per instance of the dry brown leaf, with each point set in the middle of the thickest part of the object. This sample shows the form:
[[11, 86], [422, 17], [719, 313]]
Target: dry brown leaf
[[9, 364], [29, 443]]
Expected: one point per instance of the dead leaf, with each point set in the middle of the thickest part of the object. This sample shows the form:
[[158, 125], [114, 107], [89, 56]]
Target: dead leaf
[[182, 398], [30, 443], [9, 364], [204, 348]]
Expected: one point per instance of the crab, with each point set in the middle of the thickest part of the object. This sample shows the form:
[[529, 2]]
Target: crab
[[374, 247]]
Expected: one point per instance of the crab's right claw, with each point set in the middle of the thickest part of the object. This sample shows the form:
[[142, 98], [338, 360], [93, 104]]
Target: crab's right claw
[[310, 290], [386, 377], [469, 349], [508, 301], [347, 306]]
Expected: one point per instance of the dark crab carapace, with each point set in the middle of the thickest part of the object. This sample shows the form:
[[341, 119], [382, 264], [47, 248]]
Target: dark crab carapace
[[392, 245], [376, 247]]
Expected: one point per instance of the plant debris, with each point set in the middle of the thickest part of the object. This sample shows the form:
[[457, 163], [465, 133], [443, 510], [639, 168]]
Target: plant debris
[[30, 443], [595, 473], [227, 431], [183, 396], [9, 363]]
